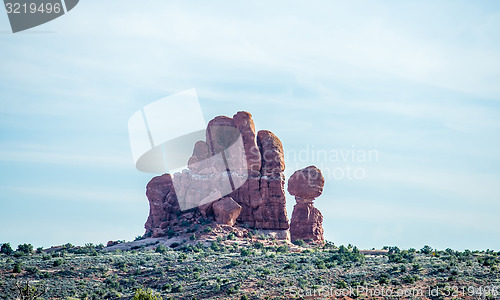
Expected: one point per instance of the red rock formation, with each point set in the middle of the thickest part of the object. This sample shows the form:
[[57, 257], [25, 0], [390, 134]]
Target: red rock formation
[[235, 162], [163, 205], [307, 222]]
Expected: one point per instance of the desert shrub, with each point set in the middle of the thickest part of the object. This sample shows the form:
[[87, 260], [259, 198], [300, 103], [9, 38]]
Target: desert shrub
[[383, 279], [215, 246], [57, 262], [233, 289], [231, 236], [6, 249], [234, 263], [161, 249], [320, 264], [263, 271], [245, 252], [410, 279], [19, 254], [487, 261], [258, 245], [170, 232], [112, 295], [329, 245], [26, 291], [177, 289], [111, 282], [401, 256], [208, 229], [32, 270], [141, 294], [193, 237], [300, 243], [283, 249], [17, 268], [25, 248], [426, 249], [343, 255], [393, 249], [182, 257]]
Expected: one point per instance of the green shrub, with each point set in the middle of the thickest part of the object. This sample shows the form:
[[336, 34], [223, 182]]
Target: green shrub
[[410, 279], [17, 268], [141, 294], [25, 248], [245, 252], [58, 262], [161, 249], [234, 263], [177, 289], [383, 279], [32, 270], [283, 249], [6, 249], [258, 245], [426, 249], [300, 243]]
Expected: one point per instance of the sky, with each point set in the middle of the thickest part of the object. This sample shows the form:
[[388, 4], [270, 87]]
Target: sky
[[397, 102]]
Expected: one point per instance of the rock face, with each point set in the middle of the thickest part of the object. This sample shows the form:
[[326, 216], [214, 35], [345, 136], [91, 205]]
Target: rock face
[[307, 222], [234, 163]]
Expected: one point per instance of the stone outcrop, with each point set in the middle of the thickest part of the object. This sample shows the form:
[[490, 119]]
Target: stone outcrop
[[307, 222], [235, 164]]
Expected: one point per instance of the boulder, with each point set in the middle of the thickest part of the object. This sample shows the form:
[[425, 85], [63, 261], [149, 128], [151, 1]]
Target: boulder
[[226, 211], [306, 183]]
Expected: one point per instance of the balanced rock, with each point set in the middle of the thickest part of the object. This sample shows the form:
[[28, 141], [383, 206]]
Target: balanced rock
[[306, 183], [307, 222]]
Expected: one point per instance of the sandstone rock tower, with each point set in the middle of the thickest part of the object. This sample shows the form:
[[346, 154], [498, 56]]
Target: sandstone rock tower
[[306, 223], [223, 183]]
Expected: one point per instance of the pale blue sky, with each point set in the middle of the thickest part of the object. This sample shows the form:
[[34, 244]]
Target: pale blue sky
[[416, 81]]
